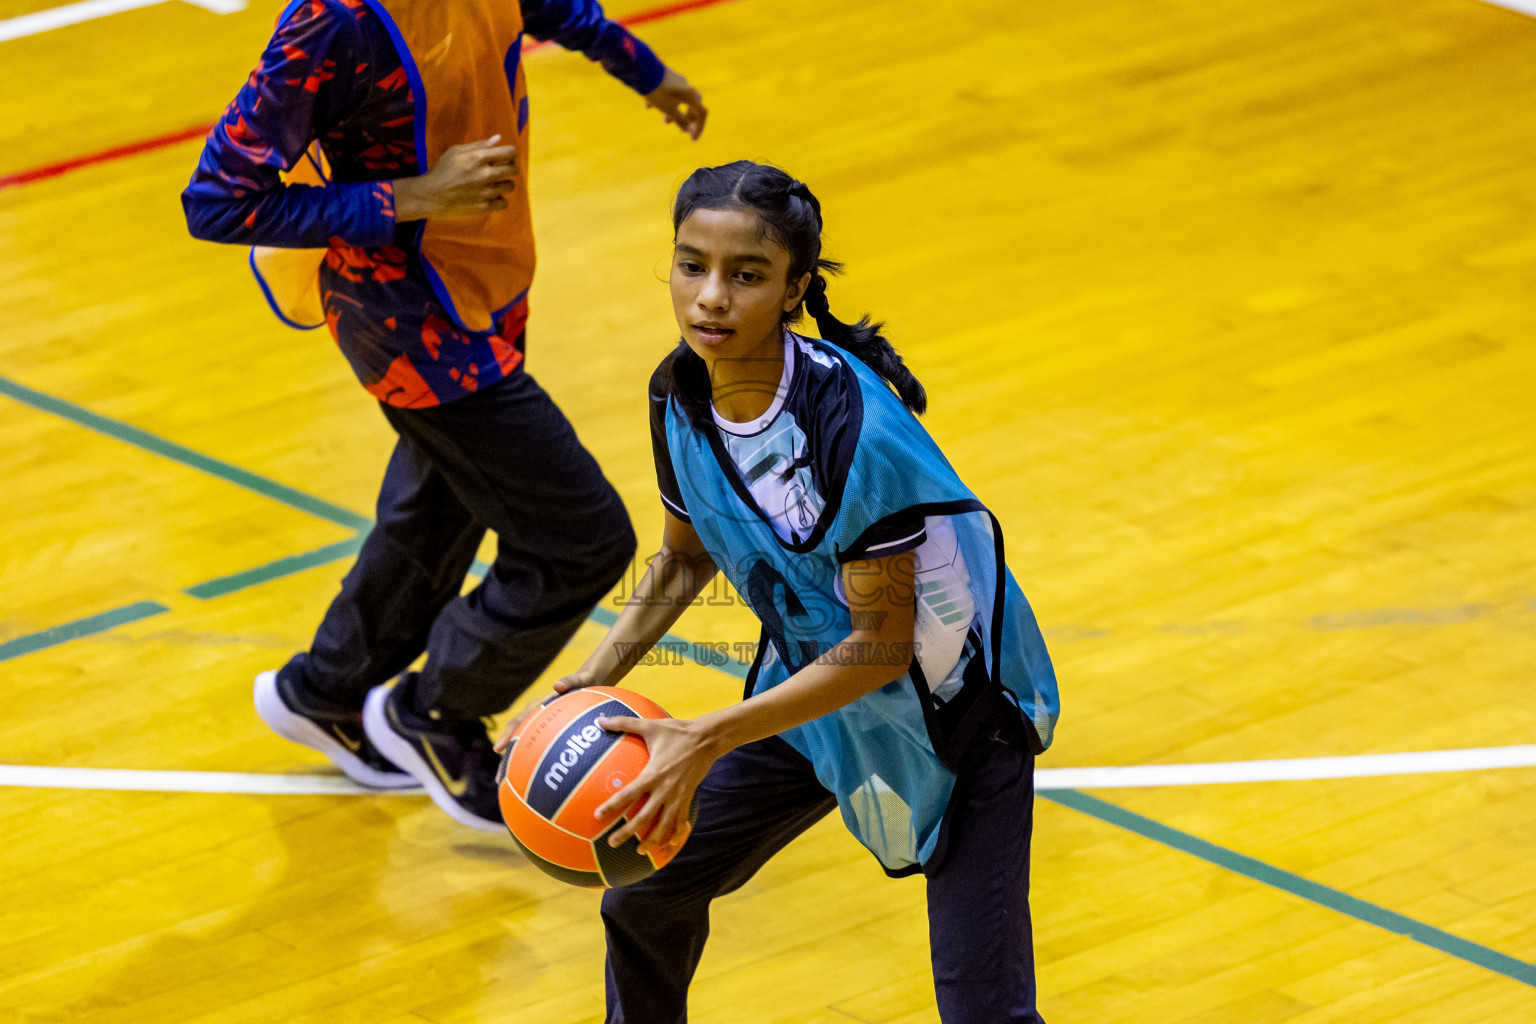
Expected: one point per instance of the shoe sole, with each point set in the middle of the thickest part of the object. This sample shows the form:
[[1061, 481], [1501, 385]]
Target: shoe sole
[[290, 725], [401, 752]]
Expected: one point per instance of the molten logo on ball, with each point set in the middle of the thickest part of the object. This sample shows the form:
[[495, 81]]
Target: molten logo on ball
[[574, 745], [560, 766]]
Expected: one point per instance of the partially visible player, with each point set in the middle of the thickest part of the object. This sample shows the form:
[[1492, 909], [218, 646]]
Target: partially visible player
[[409, 119], [900, 676]]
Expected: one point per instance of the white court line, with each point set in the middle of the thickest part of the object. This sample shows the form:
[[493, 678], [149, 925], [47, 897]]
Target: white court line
[[89, 10], [187, 782], [1287, 770], [1524, 6], [1216, 772]]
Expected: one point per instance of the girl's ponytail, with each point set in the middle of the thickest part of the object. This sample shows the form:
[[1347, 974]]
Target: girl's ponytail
[[865, 341]]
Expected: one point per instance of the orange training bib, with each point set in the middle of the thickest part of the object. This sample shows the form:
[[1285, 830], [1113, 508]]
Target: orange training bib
[[464, 62]]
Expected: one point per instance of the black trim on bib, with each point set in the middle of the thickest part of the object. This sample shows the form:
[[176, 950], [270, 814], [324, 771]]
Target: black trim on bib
[[757, 662]]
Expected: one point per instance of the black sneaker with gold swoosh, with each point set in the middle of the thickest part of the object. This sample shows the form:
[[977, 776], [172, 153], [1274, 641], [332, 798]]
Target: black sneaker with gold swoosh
[[336, 730], [454, 761]]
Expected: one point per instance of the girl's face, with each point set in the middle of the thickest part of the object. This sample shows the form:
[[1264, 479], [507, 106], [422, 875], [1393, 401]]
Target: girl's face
[[730, 285]]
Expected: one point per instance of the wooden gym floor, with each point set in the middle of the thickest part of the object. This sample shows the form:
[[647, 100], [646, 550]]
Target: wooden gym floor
[[1226, 309]]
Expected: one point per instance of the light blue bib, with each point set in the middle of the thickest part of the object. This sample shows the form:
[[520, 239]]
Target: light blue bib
[[880, 755]]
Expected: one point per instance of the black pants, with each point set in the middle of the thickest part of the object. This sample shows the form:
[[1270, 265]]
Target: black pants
[[506, 459], [759, 797]]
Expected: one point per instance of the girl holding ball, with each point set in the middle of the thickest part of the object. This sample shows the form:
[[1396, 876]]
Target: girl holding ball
[[900, 678]]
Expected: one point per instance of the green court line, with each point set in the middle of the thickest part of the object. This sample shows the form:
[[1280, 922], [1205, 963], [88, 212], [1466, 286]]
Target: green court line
[[55, 635], [186, 456], [274, 570], [98, 623], [1279, 878]]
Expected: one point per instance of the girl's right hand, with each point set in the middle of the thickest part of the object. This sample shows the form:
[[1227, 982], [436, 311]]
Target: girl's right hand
[[582, 677]]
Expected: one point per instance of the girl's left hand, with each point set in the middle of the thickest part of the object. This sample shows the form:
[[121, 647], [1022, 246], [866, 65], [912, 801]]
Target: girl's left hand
[[679, 102], [661, 796], [582, 677]]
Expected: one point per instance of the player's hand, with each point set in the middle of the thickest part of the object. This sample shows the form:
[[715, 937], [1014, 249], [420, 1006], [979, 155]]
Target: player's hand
[[575, 681], [679, 102], [660, 797], [516, 724], [468, 180], [578, 680]]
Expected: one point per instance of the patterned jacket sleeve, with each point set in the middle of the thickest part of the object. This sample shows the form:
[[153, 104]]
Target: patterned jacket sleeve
[[581, 25], [314, 71]]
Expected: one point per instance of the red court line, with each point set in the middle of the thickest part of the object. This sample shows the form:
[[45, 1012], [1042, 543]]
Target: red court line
[[106, 155], [666, 11], [16, 178]]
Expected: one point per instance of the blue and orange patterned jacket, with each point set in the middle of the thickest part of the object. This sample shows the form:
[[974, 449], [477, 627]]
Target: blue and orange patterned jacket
[[332, 73]]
